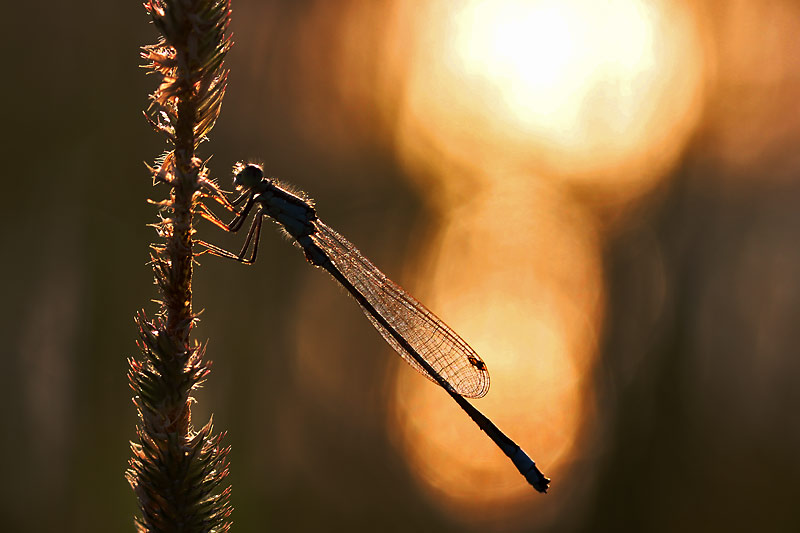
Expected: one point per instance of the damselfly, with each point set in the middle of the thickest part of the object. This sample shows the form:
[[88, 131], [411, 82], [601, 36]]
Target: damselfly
[[423, 340]]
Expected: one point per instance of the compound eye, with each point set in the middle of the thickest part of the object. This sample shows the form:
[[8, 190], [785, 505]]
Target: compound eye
[[249, 176]]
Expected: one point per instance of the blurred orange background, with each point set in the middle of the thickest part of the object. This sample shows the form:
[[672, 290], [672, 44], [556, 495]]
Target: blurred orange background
[[601, 198]]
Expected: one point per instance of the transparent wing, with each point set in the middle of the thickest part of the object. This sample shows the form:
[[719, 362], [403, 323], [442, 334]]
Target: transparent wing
[[432, 339]]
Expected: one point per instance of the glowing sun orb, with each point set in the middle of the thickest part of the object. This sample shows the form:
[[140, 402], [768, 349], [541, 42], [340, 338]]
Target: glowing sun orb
[[544, 57], [604, 92]]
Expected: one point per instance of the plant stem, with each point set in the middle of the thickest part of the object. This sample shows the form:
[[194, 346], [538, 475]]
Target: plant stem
[[176, 471]]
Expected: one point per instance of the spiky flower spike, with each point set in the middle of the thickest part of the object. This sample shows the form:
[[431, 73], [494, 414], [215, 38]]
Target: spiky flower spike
[[177, 471]]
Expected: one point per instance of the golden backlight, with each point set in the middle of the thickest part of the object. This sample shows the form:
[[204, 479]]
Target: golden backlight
[[526, 126], [507, 109]]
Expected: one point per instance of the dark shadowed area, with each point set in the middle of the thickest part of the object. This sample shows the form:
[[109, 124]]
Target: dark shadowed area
[[601, 199]]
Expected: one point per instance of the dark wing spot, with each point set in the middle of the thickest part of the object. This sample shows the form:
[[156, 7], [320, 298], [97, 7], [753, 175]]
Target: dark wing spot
[[477, 363]]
